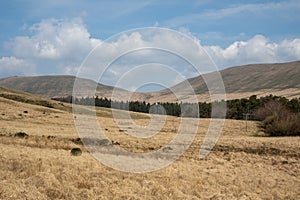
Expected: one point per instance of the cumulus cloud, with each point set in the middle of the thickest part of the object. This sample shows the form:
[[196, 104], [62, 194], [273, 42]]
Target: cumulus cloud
[[55, 39], [180, 52], [55, 46], [255, 50], [122, 53], [59, 47], [289, 50], [12, 66]]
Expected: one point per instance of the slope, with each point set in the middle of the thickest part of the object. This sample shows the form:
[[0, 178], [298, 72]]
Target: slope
[[240, 82]]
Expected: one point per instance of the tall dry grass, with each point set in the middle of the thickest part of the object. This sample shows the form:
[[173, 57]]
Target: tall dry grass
[[241, 166]]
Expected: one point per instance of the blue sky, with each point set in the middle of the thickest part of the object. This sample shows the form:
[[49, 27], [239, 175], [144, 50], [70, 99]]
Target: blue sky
[[54, 37]]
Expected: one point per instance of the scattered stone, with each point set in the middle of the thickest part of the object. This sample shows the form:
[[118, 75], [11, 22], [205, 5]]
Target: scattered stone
[[25, 111], [77, 141], [167, 149], [21, 135], [103, 142], [50, 137], [76, 152], [115, 143], [284, 162], [96, 142]]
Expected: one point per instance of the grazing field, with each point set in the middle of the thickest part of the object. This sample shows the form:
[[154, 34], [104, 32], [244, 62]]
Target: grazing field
[[36, 163]]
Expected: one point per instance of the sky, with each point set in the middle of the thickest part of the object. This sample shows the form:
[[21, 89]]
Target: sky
[[56, 37]]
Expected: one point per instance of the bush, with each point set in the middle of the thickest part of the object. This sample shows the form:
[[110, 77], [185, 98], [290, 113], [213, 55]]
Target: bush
[[277, 120], [272, 108], [281, 127], [76, 152]]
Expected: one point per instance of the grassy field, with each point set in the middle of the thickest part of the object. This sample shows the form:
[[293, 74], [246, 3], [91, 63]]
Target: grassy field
[[243, 164]]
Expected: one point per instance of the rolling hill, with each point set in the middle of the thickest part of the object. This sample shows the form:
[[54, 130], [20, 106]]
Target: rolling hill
[[58, 86], [243, 81], [27, 98], [240, 82], [50, 86]]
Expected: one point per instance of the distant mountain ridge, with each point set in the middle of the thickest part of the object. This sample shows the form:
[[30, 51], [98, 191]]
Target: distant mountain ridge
[[240, 82], [62, 85], [250, 78], [53, 86], [243, 81]]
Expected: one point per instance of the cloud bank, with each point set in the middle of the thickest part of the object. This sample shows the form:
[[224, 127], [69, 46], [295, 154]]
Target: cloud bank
[[255, 50], [60, 46], [55, 46]]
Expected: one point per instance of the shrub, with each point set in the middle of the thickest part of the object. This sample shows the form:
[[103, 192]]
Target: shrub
[[94, 142], [76, 152], [272, 108], [277, 120]]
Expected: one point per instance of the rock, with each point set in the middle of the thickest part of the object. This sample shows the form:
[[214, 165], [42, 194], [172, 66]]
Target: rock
[[21, 135]]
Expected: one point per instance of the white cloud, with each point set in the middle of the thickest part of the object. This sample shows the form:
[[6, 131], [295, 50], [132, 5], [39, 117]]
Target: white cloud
[[289, 49], [235, 10], [54, 46], [255, 50], [130, 9], [143, 46], [10, 66], [63, 44], [64, 40]]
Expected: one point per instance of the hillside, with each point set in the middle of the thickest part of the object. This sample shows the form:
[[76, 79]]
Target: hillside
[[243, 81], [50, 86], [240, 82], [26, 98], [256, 77], [62, 85]]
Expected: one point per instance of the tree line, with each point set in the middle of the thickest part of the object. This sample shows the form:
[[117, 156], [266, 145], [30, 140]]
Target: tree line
[[236, 109]]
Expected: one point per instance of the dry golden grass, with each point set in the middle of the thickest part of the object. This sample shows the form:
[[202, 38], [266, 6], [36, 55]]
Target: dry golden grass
[[40, 166], [289, 93]]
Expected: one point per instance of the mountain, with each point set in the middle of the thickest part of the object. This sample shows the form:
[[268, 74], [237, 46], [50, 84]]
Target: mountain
[[62, 85], [57, 86], [243, 81], [240, 82], [49, 86]]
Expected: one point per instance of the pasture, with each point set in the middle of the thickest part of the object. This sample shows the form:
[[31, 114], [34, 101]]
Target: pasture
[[39, 165]]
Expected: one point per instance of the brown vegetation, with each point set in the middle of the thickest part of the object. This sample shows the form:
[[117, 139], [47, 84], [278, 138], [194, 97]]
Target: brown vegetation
[[277, 120], [40, 166]]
